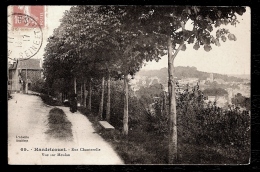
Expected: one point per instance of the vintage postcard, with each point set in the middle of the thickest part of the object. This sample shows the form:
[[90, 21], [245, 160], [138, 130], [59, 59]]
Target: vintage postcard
[[120, 85]]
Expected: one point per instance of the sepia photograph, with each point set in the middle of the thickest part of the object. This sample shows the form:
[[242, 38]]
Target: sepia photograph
[[129, 85]]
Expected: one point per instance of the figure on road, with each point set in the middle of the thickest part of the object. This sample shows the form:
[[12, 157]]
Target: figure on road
[[73, 103]]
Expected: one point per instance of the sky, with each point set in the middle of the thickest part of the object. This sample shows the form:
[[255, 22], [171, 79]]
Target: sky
[[232, 57]]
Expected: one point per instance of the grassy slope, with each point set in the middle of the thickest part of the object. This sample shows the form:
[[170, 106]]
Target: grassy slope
[[141, 147]]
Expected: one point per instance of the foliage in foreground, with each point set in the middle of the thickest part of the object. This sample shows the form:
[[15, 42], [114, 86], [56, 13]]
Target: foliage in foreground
[[242, 101], [207, 134], [38, 86]]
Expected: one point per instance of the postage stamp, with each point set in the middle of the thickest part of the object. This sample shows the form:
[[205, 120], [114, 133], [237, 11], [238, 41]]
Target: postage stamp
[[37, 13], [25, 35]]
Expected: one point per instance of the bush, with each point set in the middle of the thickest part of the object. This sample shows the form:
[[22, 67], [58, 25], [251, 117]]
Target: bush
[[137, 114], [38, 86], [224, 134], [158, 123], [199, 124], [208, 123]]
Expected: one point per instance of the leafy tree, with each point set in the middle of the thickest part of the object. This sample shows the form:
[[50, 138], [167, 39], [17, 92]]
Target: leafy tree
[[152, 91], [139, 33], [54, 67], [81, 45], [38, 85], [133, 48], [240, 100], [102, 98], [165, 26]]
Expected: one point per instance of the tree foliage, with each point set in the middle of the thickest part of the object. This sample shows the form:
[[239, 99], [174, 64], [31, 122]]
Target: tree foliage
[[94, 40], [242, 101], [215, 92]]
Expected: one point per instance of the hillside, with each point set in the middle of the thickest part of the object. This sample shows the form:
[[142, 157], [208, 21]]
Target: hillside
[[181, 73], [243, 76]]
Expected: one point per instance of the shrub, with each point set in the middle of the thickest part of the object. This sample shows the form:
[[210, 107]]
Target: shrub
[[208, 124], [37, 86], [224, 134], [158, 123], [199, 123]]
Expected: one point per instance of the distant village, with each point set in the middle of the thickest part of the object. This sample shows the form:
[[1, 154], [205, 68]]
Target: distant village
[[232, 88], [23, 74]]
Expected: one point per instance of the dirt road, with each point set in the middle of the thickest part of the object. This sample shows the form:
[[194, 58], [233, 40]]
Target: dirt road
[[28, 143]]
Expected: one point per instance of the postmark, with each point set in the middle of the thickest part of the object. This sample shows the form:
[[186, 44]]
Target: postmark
[[25, 36]]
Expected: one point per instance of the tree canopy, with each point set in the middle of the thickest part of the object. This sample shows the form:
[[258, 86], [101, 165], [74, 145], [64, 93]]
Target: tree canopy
[[92, 40], [128, 35]]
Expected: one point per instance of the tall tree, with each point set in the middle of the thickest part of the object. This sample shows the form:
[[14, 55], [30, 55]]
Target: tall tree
[[89, 94], [125, 117], [84, 94], [132, 48], [102, 99], [132, 34], [108, 96], [168, 23]]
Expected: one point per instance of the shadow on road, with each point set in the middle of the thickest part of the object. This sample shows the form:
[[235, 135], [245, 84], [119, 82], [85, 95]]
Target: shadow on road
[[59, 125]]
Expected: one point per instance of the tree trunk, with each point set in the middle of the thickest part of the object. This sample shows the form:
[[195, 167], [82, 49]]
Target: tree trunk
[[172, 154], [75, 85], [125, 117], [172, 157], [85, 94], [108, 99], [164, 103], [89, 97], [81, 95], [102, 98]]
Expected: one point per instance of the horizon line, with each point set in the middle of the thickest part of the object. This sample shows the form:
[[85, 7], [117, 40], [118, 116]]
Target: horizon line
[[200, 71]]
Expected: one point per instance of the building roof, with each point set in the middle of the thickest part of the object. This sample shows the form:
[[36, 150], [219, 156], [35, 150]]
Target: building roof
[[29, 64]]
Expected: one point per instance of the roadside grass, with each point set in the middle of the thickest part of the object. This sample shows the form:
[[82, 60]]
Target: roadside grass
[[144, 147], [136, 148], [59, 125], [212, 154]]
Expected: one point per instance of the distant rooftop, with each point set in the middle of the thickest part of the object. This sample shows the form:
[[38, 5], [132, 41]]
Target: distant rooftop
[[26, 64]]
